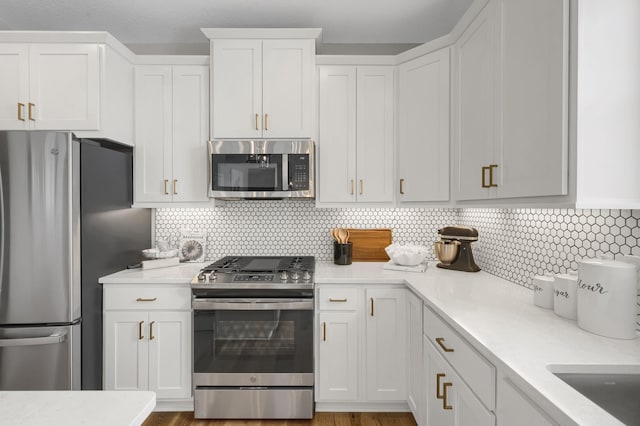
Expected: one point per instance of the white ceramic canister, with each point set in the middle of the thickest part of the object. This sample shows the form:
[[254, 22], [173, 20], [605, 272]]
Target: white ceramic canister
[[607, 298], [565, 288], [543, 291]]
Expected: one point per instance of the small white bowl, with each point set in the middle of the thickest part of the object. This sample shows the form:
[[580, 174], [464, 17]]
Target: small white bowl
[[168, 253], [406, 255], [151, 253]]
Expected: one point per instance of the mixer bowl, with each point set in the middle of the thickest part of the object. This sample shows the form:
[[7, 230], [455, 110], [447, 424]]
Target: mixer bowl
[[446, 251]]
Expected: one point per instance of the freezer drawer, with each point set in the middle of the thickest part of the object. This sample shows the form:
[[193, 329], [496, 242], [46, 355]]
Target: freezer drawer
[[40, 358]]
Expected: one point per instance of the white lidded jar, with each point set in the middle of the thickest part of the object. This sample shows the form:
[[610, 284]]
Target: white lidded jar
[[565, 289], [607, 298], [543, 291]]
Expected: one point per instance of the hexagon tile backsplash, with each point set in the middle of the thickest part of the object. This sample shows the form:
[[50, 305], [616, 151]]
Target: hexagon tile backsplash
[[514, 244]]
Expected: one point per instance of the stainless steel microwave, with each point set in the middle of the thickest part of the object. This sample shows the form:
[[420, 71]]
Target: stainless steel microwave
[[261, 169]]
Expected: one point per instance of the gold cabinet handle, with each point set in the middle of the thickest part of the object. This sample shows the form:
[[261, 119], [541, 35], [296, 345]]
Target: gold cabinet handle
[[166, 182], [175, 187], [401, 184], [142, 299], [438, 377], [257, 115], [351, 186], [266, 121], [484, 169], [324, 331], [440, 341], [371, 306], [446, 406], [360, 186], [30, 112], [491, 184], [151, 336], [20, 107], [140, 336], [338, 300]]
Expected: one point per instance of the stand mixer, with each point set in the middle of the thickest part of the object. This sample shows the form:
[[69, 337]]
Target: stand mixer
[[454, 248]]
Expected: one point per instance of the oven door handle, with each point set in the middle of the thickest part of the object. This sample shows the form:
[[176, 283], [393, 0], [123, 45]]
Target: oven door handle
[[253, 304]]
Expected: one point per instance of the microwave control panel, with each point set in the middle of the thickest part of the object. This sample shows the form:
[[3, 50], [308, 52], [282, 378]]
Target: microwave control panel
[[298, 172]]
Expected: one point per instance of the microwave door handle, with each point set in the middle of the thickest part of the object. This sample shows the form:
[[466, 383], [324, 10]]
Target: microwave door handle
[[285, 172]]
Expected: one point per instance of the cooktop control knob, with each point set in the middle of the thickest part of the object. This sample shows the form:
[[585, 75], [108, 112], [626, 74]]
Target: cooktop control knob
[[306, 276], [283, 275], [295, 275], [212, 276], [202, 277]]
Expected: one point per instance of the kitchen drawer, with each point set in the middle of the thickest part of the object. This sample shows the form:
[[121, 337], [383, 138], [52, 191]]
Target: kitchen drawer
[[338, 298], [472, 367], [146, 297]]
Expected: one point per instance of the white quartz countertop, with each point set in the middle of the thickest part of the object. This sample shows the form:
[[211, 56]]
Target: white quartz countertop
[[497, 317], [178, 274], [75, 408], [500, 320]]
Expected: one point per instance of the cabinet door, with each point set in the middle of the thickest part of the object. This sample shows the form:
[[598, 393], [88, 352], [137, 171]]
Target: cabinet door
[[374, 132], [287, 88], [423, 129], [534, 154], [414, 356], [153, 133], [14, 86], [475, 100], [236, 77], [338, 351], [64, 86], [386, 362], [126, 350], [516, 409], [337, 132], [449, 400], [170, 354], [190, 128]]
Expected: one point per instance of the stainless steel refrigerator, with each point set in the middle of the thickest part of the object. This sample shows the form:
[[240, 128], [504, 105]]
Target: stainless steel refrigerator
[[65, 220]]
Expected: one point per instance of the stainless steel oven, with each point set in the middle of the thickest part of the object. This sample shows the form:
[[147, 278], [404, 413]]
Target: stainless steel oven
[[253, 356]]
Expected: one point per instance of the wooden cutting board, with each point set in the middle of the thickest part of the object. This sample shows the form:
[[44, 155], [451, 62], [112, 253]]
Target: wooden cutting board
[[369, 244]]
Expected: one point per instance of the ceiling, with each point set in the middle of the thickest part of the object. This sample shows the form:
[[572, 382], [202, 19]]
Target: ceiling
[[148, 25]]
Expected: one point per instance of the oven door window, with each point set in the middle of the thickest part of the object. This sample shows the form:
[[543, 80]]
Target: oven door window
[[246, 172], [274, 341]]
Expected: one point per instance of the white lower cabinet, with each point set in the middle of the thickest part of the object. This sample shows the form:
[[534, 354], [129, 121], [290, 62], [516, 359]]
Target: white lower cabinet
[[361, 345], [460, 382], [147, 340], [517, 409], [414, 358], [338, 373], [449, 400]]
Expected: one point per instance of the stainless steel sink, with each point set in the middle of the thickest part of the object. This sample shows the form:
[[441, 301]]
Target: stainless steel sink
[[617, 393]]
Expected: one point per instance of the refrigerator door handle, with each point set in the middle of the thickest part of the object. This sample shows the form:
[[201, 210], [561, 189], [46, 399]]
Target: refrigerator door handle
[[33, 341], [2, 233]]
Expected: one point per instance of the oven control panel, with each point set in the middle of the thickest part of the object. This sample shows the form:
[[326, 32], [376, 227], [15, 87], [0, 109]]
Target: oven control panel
[[250, 278]]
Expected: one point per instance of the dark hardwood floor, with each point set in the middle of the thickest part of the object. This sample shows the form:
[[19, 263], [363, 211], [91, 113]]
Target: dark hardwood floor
[[320, 419]]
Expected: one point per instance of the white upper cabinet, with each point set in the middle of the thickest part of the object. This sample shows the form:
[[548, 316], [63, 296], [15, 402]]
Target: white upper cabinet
[[337, 129], [534, 148], [49, 86], [355, 146], [262, 88], [423, 129], [171, 107], [511, 101], [475, 125]]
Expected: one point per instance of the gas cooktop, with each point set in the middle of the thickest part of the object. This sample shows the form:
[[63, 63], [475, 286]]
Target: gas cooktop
[[257, 272]]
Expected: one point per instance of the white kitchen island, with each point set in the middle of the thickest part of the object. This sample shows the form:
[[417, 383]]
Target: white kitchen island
[[75, 408]]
